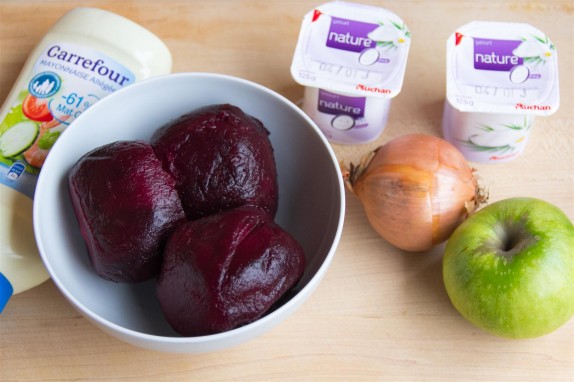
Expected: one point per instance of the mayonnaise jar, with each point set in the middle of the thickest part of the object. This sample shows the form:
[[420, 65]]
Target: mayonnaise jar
[[88, 54]]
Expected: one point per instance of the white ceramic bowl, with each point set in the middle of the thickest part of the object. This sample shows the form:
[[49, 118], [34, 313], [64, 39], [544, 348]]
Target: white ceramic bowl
[[311, 202]]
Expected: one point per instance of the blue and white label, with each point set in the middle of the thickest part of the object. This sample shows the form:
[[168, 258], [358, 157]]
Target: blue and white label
[[65, 80], [15, 171], [44, 85], [87, 76], [6, 291]]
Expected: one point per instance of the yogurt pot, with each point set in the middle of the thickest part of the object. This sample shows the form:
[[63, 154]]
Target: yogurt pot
[[500, 76], [351, 58]]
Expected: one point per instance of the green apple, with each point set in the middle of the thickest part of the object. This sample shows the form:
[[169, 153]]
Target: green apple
[[509, 268]]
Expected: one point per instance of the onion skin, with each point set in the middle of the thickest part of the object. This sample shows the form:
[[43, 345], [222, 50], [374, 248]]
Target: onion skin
[[415, 190]]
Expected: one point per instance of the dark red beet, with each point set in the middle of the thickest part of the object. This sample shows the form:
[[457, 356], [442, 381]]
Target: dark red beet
[[221, 158], [127, 206], [226, 270]]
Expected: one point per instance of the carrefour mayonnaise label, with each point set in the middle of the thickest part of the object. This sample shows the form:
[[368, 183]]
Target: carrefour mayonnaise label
[[66, 79], [353, 57], [499, 77], [88, 54]]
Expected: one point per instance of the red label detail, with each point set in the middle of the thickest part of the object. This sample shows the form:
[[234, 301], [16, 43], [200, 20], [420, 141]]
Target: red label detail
[[316, 14], [372, 89], [457, 38]]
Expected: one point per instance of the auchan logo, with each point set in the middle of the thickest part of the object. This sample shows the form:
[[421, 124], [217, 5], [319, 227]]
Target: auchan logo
[[372, 89], [521, 106]]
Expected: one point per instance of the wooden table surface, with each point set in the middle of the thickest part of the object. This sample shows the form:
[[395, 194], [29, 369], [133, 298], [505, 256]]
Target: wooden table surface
[[380, 313]]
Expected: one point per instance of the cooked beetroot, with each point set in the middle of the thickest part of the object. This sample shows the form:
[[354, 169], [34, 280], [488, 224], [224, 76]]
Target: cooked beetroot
[[226, 270], [127, 206], [220, 158]]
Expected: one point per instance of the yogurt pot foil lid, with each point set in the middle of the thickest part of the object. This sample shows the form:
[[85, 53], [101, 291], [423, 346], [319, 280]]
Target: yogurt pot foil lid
[[353, 49], [496, 67]]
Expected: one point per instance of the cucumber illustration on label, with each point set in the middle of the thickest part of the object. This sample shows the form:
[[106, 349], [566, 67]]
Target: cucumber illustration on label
[[18, 138]]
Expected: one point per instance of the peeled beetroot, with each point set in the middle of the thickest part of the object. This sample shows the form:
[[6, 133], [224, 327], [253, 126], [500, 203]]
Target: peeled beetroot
[[220, 158], [127, 206], [226, 270]]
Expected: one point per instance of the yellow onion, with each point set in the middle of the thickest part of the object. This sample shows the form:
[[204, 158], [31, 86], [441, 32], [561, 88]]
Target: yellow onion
[[416, 189]]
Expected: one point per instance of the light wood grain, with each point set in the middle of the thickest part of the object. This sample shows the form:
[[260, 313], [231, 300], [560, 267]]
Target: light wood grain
[[379, 314]]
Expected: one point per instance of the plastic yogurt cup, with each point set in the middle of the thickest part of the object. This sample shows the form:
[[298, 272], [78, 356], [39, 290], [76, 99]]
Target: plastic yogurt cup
[[499, 77], [351, 58]]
